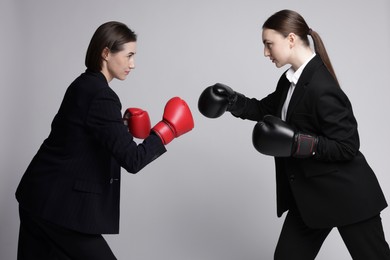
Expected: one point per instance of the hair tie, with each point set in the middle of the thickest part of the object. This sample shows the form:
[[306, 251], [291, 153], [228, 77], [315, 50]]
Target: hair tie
[[310, 31]]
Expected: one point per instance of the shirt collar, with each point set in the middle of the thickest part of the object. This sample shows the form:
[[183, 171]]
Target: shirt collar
[[293, 76]]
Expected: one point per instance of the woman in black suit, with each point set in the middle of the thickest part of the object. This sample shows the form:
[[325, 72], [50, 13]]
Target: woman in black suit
[[307, 124], [69, 194]]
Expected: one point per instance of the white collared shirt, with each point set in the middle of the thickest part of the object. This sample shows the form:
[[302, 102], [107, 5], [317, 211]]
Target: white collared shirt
[[293, 77]]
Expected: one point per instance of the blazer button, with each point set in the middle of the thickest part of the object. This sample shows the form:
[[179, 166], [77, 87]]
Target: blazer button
[[292, 177], [112, 180]]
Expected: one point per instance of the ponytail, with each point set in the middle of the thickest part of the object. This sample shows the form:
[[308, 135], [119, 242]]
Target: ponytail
[[319, 48], [287, 21]]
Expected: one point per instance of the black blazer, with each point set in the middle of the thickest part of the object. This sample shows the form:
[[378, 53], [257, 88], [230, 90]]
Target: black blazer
[[337, 186], [74, 179]]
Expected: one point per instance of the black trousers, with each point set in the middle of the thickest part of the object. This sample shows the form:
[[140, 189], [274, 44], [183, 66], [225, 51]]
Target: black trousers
[[364, 240], [39, 239]]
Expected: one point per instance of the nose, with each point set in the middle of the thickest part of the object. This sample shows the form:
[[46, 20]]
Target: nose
[[132, 63], [266, 52]]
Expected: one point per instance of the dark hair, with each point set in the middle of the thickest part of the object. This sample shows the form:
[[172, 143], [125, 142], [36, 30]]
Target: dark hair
[[288, 21], [111, 35]]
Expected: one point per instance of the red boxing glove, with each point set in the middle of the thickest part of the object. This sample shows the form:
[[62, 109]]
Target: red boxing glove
[[138, 122], [177, 120]]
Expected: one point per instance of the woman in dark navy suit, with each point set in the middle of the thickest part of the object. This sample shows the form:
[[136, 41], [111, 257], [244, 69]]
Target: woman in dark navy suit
[[307, 124], [69, 194]]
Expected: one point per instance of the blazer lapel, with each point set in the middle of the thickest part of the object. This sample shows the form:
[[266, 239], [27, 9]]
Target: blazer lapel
[[285, 84], [299, 91], [302, 84]]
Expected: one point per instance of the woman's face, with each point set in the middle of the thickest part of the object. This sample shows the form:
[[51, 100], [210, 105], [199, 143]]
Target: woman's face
[[118, 65], [276, 47]]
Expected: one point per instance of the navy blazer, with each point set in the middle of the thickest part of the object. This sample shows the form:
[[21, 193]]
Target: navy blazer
[[74, 178], [337, 186]]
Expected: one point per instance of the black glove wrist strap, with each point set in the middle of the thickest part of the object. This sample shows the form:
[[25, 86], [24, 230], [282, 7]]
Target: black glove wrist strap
[[237, 104], [304, 145]]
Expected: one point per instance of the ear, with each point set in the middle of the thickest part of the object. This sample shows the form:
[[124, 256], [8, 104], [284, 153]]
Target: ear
[[105, 53], [292, 37]]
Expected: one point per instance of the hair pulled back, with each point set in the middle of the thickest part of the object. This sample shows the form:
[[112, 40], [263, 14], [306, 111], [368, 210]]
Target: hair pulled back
[[111, 35], [288, 21]]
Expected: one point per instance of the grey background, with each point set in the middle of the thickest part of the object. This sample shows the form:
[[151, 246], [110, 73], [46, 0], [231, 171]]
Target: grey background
[[212, 196]]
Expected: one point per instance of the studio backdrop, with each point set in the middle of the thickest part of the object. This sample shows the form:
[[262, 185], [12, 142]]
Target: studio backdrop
[[212, 195]]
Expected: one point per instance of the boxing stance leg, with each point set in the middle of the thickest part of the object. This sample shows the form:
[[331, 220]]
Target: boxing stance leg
[[366, 239], [39, 239], [297, 241]]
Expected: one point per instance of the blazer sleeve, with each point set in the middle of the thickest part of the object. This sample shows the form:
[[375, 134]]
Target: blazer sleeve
[[104, 121], [255, 109], [338, 138]]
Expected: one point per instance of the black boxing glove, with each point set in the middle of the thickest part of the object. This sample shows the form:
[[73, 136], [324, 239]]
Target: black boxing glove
[[273, 136], [219, 98]]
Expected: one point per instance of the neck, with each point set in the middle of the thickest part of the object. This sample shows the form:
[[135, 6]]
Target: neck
[[300, 57], [106, 73]]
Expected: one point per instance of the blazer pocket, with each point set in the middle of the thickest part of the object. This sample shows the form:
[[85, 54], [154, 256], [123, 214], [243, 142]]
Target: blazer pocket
[[313, 168], [88, 187]]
